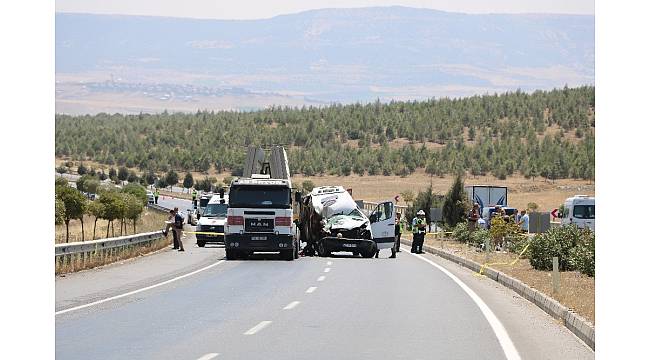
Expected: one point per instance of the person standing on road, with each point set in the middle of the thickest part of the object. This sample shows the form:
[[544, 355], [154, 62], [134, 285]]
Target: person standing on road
[[524, 222], [155, 196], [178, 227], [194, 197], [170, 225], [398, 231], [419, 229]]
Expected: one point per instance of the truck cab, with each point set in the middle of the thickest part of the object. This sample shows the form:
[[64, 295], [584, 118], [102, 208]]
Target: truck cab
[[210, 227], [581, 211], [260, 218]]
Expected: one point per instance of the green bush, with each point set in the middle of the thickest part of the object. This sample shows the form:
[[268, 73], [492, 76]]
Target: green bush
[[556, 242], [136, 190], [460, 232], [583, 256], [516, 244], [479, 236]]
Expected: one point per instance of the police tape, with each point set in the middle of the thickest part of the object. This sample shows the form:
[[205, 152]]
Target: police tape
[[204, 233], [480, 272]]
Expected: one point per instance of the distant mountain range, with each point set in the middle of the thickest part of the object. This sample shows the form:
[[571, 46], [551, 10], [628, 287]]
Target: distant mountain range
[[332, 55]]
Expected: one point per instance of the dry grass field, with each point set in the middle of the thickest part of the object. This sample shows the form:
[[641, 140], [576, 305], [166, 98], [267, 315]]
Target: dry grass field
[[577, 291], [521, 191], [149, 221]]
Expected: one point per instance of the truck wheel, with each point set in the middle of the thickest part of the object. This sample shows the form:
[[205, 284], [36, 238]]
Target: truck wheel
[[200, 243], [230, 254], [355, 253], [296, 250]]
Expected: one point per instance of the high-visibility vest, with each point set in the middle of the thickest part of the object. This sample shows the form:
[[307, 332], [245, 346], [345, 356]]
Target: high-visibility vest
[[417, 221], [156, 193]]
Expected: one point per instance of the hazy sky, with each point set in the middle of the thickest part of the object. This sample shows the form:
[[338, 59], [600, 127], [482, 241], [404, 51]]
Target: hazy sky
[[255, 9]]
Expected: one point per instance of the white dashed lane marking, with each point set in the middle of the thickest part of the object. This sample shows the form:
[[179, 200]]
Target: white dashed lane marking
[[327, 270], [311, 289], [329, 263], [320, 278], [208, 356], [257, 328], [291, 305]]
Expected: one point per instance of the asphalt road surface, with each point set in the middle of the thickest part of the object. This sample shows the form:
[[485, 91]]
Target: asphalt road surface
[[195, 305], [171, 202]]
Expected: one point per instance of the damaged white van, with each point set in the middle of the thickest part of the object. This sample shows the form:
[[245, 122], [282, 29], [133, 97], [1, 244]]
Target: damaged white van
[[330, 221]]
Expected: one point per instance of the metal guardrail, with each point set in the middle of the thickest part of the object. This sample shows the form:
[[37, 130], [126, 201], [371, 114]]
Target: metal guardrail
[[158, 207], [102, 244], [369, 206], [83, 254]]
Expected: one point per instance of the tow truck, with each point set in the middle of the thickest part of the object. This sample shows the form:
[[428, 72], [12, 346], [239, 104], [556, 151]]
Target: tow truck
[[260, 208]]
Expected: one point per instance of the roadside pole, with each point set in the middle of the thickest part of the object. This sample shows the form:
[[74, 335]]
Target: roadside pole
[[556, 275]]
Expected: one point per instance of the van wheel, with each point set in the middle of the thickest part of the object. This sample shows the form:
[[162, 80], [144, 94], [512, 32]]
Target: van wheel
[[355, 253], [370, 252], [200, 243], [230, 254], [322, 250], [296, 250], [287, 255]]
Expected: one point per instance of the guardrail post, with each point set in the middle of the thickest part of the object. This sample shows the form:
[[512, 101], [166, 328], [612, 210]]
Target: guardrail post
[[488, 246]]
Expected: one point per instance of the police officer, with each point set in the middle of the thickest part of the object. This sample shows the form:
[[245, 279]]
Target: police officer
[[194, 197], [419, 226], [155, 196]]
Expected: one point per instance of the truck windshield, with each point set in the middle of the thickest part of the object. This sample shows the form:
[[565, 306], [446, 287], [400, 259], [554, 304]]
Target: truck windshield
[[216, 210], [260, 197], [584, 211]]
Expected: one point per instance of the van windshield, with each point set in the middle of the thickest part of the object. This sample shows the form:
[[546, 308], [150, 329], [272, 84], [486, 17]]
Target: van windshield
[[216, 210], [584, 211], [260, 197], [203, 202]]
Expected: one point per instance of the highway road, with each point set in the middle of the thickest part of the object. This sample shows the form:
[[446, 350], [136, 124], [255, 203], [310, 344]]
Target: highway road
[[195, 305], [170, 203]]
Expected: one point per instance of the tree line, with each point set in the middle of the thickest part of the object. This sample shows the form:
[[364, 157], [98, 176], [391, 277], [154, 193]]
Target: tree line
[[126, 204], [488, 134]]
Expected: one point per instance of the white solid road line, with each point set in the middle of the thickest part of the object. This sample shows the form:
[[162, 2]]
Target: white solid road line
[[320, 278], [291, 305], [502, 335], [257, 327], [311, 289], [329, 263], [208, 356], [138, 290], [327, 270]]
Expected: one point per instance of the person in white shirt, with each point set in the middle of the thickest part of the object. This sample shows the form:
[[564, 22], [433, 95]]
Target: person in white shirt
[[524, 221]]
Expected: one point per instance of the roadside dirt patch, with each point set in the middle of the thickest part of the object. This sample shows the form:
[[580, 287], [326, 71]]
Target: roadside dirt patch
[[577, 291]]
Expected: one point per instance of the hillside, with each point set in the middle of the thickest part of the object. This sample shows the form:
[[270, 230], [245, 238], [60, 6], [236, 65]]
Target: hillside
[[314, 57], [546, 133]]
